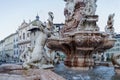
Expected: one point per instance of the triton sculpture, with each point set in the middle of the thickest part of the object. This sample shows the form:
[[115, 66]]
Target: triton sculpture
[[37, 56]]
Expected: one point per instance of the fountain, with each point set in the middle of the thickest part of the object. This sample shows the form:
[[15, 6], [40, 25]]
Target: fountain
[[36, 60], [80, 37]]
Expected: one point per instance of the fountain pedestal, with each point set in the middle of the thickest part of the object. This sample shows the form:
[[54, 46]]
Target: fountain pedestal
[[80, 44]]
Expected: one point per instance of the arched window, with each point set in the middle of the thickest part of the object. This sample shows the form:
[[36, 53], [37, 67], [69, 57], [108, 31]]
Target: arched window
[[23, 35], [34, 42]]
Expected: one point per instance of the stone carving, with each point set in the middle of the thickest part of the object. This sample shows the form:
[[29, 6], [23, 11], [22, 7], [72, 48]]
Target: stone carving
[[69, 9], [50, 20], [26, 54], [50, 25], [80, 36], [38, 56], [73, 14], [116, 59], [54, 56], [90, 7], [109, 28]]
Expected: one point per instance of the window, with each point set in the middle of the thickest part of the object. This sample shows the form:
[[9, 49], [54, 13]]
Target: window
[[20, 37], [17, 51], [34, 33], [14, 46], [17, 45], [28, 35], [14, 52], [16, 39], [20, 51], [34, 42], [23, 35]]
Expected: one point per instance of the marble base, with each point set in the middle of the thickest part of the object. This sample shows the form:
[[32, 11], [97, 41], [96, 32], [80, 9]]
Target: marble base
[[79, 62], [16, 72]]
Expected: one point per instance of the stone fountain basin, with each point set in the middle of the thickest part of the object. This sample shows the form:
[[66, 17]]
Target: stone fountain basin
[[81, 39], [78, 46], [108, 43], [88, 39]]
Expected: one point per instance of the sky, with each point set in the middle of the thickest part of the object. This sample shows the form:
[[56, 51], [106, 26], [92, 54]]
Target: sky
[[13, 12]]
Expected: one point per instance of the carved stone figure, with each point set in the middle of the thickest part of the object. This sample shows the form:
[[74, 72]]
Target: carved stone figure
[[109, 28], [80, 36], [73, 14], [69, 9], [26, 54], [90, 7], [38, 56], [116, 59], [50, 20], [54, 56]]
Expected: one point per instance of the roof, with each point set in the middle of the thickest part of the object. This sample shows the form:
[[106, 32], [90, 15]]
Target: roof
[[36, 22], [23, 25], [9, 36]]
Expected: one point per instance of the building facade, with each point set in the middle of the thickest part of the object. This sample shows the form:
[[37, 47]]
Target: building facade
[[16, 48], [2, 56], [13, 45], [9, 47], [34, 30], [23, 37]]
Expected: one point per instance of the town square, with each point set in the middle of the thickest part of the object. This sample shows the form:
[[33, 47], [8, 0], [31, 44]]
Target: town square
[[60, 40]]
